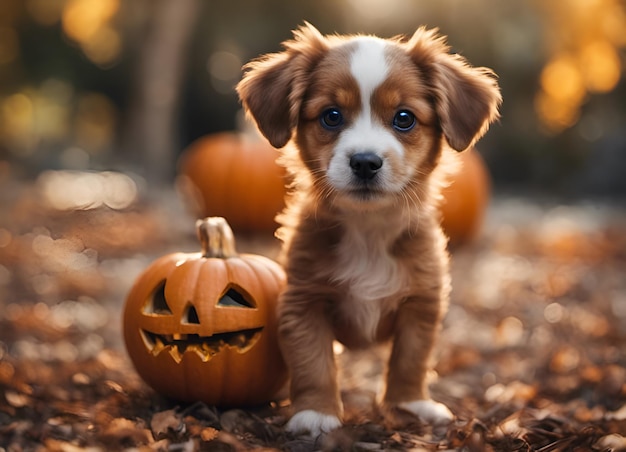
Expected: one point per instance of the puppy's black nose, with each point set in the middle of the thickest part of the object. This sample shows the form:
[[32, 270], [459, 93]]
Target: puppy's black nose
[[365, 165]]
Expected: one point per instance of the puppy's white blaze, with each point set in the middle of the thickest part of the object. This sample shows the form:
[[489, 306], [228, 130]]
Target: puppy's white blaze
[[429, 411], [312, 423], [368, 66]]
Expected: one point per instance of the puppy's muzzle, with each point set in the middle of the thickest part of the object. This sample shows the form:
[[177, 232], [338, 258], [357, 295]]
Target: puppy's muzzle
[[365, 165]]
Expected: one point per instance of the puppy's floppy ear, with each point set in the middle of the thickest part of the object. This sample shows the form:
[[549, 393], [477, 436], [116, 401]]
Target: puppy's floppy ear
[[466, 98], [273, 86]]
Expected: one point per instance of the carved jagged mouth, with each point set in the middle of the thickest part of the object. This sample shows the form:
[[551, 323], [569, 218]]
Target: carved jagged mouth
[[204, 346]]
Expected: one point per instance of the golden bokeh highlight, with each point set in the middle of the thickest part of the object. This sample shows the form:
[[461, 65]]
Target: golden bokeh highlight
[[54, 113], [561, 79], [88, 23], [583, 39], [17, 122], [555, 114], [104, 46], [600, 66], [82, 18]]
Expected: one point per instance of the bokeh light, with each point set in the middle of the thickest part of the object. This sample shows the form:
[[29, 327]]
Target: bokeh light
[[225, 70], [104, 46], [83, 18], [55, 114], [583, 41], [88, 23], [83, 190], [600, 66], [17, 118]]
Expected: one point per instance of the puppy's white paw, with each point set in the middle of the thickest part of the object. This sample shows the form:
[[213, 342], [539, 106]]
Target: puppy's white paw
[[429, 411], [312, 422]]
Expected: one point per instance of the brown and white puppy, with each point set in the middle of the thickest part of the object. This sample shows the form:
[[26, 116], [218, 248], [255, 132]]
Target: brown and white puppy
[[371, 121]]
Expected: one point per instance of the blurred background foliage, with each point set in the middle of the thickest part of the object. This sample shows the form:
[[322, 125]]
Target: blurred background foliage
[[127, 85]]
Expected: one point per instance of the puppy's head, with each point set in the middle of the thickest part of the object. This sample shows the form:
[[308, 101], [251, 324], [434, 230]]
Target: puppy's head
[[369, 116]]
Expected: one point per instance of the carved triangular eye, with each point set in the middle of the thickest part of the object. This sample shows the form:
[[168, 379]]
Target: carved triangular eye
[[157, 304], [235, 299], [191, 315]]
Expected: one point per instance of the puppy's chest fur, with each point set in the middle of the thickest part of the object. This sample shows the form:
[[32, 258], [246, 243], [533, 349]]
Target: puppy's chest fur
[[372, 280]]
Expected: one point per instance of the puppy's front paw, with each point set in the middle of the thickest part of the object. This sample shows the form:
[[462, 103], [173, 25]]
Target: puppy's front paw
[[429, 411], [312, 422]]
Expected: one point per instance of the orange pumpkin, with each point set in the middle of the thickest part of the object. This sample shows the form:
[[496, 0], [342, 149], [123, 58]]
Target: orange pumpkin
[[234, 175], [466, 199], [202, 326]]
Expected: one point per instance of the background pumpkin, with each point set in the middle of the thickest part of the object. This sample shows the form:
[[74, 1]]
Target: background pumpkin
[[466, 199], [202, 326], [234, 175]]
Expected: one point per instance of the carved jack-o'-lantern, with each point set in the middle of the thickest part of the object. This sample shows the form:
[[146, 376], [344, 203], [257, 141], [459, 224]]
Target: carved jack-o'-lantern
[[202, 326]]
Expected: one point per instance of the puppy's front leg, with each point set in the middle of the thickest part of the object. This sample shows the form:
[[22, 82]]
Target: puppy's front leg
[[407, 387], [306, 340]]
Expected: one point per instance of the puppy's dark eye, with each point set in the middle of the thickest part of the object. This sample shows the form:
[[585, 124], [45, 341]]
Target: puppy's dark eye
[[404, 121], [331, 119]]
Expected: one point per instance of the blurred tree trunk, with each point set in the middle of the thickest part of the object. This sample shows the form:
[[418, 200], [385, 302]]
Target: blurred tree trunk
[[151, 133]]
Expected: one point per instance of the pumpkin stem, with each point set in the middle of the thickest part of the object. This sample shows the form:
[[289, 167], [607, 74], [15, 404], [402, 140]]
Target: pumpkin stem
[[216, 238]]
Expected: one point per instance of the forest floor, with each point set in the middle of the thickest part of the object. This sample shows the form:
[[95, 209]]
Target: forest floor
[[532, 356]]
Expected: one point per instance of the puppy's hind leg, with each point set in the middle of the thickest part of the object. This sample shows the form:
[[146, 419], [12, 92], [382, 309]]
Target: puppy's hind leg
[[306, 340]]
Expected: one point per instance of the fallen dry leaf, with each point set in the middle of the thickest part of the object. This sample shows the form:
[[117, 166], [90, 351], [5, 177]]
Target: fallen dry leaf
[[209, 434], [165, 423]]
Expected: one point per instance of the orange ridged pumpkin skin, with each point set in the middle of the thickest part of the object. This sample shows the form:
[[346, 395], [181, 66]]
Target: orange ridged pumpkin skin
[[190, 340], [466, 199], [234, 176]]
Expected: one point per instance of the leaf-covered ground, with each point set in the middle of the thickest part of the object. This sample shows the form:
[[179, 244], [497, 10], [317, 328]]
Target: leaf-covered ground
[[532, 355]]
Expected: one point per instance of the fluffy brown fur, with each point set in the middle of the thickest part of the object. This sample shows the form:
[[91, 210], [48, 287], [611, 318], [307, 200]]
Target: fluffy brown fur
[[364, 268]]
